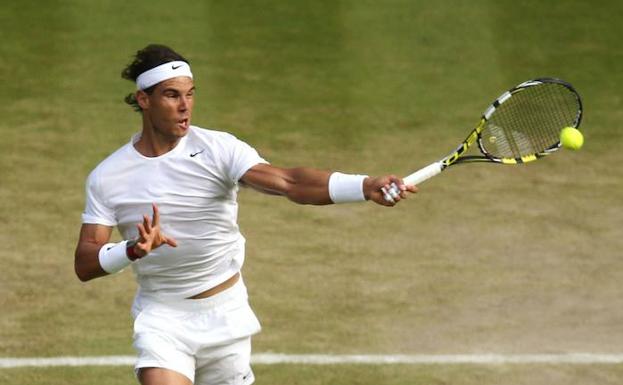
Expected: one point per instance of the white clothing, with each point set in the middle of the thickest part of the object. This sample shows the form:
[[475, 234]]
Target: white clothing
[[207, 340], [195, 187]]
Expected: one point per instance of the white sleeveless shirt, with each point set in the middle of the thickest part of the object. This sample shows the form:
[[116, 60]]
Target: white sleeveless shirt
[[195, 187]]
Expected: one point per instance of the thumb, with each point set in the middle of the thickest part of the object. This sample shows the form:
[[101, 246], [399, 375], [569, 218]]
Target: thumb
[[170, 241]]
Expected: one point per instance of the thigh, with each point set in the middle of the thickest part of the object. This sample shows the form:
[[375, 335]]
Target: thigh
[[161, 376], [226, 364]]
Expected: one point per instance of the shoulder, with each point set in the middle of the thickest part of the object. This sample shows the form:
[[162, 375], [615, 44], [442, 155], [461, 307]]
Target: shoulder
[[209, 135], [121, 157], [220, 142]]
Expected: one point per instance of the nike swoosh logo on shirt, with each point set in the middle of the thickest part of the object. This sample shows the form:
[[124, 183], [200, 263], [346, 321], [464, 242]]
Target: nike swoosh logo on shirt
[[196, 153]]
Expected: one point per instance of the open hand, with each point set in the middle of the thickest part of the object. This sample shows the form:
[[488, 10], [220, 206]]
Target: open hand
[[150, 235]]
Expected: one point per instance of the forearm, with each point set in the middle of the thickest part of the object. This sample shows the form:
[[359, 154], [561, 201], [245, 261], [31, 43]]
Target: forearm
[[95, 256], [95, 260], [324, 187], [308, 186], [86, 262]]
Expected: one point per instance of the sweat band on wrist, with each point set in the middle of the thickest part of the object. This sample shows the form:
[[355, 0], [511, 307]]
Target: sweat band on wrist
[[161, 73], [345, 188], [113, 257], [129, 250]]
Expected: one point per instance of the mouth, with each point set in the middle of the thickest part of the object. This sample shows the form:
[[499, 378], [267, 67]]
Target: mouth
[[183, 123]]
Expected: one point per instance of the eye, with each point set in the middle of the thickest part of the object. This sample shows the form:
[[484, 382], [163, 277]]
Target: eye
[[171, 94]]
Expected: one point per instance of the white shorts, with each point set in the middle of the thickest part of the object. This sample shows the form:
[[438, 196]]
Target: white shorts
[[207, 340]]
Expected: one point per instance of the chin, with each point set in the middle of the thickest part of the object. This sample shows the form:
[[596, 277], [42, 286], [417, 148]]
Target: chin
[[178, 130], [182, 131]]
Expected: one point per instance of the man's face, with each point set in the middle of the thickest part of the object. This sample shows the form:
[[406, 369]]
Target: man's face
[[169, 107]]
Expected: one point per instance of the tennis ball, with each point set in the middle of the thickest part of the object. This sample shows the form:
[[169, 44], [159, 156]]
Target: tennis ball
[[571, 138]]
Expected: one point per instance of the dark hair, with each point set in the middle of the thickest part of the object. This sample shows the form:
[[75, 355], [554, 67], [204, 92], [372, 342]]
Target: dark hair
[[145, 59]]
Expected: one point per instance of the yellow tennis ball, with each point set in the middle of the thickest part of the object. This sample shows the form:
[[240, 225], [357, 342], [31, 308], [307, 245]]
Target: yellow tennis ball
[[571, 138]]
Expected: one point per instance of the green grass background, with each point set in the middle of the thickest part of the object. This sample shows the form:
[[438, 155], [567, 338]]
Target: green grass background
[[484, 259]]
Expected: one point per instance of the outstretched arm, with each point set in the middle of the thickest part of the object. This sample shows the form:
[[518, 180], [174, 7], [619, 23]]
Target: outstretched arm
[[311, 186]]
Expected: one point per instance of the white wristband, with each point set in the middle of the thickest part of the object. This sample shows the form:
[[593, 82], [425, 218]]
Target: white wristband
[[345, 188], [113, 257]]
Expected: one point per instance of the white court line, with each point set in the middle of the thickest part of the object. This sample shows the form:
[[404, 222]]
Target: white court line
[[445, 359], [332, 359]]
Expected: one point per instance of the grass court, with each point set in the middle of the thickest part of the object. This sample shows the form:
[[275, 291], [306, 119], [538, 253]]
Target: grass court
[[485, 259]]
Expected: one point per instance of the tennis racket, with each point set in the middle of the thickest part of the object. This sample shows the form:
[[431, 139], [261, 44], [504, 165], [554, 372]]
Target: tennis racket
[[520, 126]]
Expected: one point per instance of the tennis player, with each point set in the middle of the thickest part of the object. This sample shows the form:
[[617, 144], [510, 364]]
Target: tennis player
[[171, 192]]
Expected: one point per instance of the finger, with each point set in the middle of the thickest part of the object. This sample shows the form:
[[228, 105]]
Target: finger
[[147, 224], [394, 192], [386, 195], [170, 241], [141, 232], [412, 189], [156, 214], [385, 199], [395, 188], [394, 180], [387, 203]]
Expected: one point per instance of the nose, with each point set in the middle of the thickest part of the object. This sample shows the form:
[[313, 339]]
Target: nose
[[184, 103]]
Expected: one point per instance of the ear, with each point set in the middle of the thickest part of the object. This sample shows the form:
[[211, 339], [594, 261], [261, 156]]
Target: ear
[[143, 99]]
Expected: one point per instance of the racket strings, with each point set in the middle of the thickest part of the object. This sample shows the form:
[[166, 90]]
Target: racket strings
[[530, 121]]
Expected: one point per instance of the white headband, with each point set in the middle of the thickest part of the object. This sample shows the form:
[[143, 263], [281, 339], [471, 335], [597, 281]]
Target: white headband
[[161, 73]]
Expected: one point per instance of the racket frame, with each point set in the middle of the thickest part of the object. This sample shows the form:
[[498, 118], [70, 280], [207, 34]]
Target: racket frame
[[475, 136]]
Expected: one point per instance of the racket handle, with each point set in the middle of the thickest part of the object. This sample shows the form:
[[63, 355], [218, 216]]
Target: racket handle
[[416, 178], [423, 174]]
